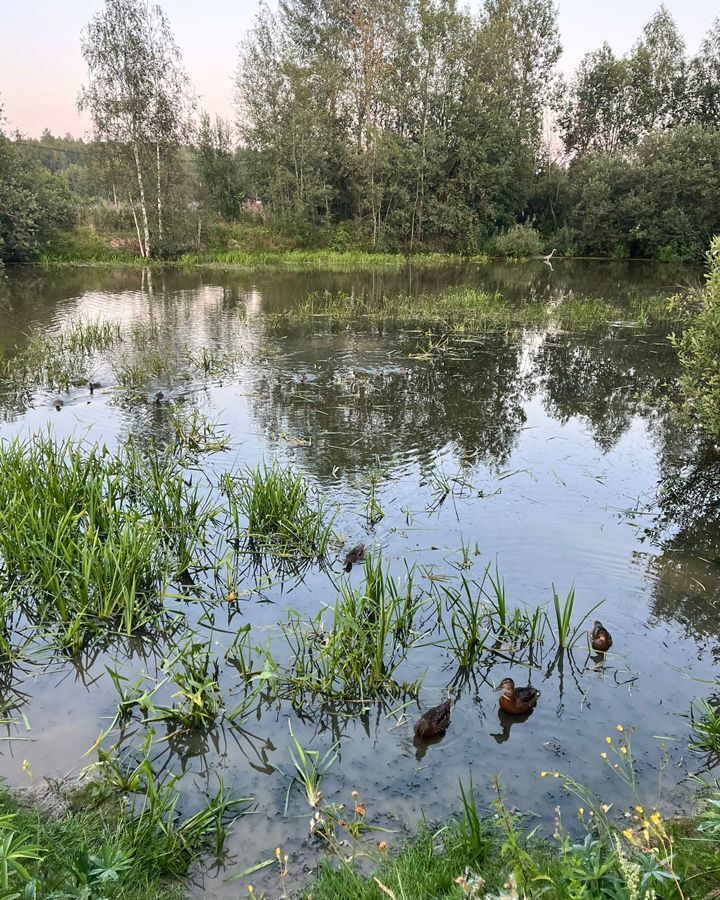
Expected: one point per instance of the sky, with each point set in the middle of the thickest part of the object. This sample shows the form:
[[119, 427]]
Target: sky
[[41, 68]]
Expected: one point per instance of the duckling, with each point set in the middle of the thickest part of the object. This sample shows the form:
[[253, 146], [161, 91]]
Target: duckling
[[58, 404], [357, 554], [159, 396], [434, 722], [600, 638], [517, 701]]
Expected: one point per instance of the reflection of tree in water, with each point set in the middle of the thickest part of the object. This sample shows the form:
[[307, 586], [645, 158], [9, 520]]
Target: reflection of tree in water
[[356, 413], [607, 379], [687, 529]]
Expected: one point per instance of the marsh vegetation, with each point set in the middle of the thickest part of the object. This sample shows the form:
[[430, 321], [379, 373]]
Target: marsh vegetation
[[173, 537]]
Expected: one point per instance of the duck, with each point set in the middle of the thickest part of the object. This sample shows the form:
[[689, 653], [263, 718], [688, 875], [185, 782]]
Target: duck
[[517, 701], [434, 722], [357, 554], [58, 404], [600, 638], [159, 396]]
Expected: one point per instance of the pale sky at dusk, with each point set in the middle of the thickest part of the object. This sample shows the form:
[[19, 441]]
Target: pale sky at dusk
[[41, 68]]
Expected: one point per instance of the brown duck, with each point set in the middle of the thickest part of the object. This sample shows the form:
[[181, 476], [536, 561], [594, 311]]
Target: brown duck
[[356, 555], [600, 638], [434, 722], [517, 701]]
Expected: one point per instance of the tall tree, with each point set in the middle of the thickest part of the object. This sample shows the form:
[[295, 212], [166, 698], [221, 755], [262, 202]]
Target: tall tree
[[597, 113], [139, 99], [659, 73], [704, 80]]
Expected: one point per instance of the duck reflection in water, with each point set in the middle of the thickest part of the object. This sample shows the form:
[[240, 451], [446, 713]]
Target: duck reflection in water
[[506, 723]]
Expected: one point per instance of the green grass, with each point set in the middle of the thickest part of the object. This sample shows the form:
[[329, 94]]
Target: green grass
[[90, 538], [275, 508], [500, 858], [291, 260], [461, 310], [89, 854]]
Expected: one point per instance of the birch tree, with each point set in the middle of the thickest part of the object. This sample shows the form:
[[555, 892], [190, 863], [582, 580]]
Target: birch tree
[[139, 100]]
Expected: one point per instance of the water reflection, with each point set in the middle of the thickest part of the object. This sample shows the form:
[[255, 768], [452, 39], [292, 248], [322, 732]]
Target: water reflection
[[563, 442]]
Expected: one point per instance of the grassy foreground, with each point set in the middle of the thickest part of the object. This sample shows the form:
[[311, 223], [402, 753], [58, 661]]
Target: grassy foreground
[[499, 859], [90, 854]]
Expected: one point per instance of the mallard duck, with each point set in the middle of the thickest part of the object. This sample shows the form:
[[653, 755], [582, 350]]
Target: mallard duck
[[357, 554], [159, 396], [600, 638], [517, 701], [434, 722]]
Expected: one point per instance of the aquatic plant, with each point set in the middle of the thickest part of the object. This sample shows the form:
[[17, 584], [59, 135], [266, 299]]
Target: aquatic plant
[[91, 537], [282, 516], [194, 672], [561, 626], [705, 730], [355, 657], [310, 769], [462, 310]]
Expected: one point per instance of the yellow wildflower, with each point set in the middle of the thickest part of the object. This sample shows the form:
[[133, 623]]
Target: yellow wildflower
[[623, 750], [619, 728], [608, 740], [543, 774], [603, 755]]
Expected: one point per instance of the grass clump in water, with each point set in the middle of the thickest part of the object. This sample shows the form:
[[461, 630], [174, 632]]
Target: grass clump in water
[[281, 515], [460, 310], [92, 537], [355, 658]]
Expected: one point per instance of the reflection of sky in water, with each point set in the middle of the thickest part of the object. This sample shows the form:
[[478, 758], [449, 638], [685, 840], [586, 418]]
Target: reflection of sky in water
[[564, 439]]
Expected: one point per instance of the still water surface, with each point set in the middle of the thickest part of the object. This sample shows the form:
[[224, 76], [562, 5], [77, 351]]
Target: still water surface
[[580, 476]]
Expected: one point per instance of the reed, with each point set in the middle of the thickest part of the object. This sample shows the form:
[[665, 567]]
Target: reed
[[282, 515], [356, 657], [561, 625], [310, 769]]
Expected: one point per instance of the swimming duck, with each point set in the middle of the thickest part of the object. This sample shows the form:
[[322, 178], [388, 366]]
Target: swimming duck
[[600, 638], [517, 701], [434, 722], [357, 554], [58, 404], [159, 396]]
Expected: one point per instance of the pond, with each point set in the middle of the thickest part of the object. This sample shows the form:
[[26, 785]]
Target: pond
[[548, 458]]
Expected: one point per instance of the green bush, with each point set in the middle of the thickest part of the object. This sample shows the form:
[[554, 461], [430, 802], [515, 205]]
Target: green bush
[[699, 350], [520, 241]]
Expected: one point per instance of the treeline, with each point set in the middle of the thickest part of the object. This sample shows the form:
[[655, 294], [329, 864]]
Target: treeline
[[405, 125], [422, 125]]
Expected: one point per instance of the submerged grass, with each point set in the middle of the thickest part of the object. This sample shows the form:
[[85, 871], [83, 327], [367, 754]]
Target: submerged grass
[[465, 309]]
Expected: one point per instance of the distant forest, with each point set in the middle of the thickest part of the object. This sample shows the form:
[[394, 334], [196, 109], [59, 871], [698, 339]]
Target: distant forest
[[393, 125]]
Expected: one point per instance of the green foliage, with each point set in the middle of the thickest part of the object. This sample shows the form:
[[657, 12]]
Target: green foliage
[[90, 537], [282, 517], [83, 854], [699, 350], [34, 204], [520, 241]]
